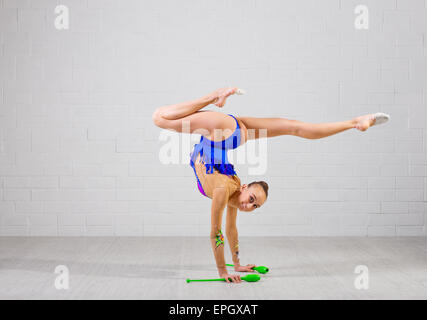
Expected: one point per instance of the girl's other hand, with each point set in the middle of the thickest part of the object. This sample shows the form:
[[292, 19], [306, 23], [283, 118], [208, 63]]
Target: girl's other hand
[[247, 268]]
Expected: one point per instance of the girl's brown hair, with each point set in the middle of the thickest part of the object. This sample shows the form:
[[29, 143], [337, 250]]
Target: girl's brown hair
[[263, 184]]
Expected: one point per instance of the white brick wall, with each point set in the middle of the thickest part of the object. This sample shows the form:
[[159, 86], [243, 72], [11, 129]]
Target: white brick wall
[[79, 152]]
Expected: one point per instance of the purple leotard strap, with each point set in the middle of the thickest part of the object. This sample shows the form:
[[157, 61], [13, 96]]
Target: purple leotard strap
[[201, 188]]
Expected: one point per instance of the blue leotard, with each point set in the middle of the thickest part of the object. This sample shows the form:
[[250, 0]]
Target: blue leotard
[[214, 154]]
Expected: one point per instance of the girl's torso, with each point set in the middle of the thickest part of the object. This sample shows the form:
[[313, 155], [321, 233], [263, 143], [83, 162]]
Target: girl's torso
[[215, 180], [214, 150]]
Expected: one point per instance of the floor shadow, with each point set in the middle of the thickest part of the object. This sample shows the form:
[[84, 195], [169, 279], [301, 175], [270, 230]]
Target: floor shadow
[[96, 269]]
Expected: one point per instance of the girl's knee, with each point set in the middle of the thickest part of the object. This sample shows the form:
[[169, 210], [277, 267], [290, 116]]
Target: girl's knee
[[157, 118]]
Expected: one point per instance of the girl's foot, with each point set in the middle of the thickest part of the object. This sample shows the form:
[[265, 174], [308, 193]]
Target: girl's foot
[[222, 94], [369, 120]]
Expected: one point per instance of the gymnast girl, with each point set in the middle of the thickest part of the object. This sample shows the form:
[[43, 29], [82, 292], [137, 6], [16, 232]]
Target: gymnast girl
[[215, 176]]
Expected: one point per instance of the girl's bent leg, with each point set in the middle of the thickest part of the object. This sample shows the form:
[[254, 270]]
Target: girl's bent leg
[[186, 116]]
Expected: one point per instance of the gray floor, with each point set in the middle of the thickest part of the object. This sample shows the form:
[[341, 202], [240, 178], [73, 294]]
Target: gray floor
[[156, 268]]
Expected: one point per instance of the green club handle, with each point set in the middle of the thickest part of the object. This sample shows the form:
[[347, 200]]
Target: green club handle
[[260, 269], [247, 278], [200, 280]]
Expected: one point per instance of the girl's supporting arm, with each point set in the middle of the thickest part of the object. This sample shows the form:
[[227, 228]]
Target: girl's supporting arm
[[232, 234], [233, 241], [219, 201]]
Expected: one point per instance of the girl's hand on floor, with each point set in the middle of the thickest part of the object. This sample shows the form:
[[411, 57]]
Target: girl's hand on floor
[[231, 277], [247, 268], [222, 94]]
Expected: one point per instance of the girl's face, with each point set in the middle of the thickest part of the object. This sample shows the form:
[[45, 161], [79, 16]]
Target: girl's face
[[251, 198]]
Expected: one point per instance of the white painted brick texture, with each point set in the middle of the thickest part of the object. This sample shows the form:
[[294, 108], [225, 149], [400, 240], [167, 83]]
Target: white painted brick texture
[[79, 154]]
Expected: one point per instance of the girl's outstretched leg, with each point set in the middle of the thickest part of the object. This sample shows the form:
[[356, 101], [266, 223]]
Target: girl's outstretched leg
[[322, 130], [281, 126]]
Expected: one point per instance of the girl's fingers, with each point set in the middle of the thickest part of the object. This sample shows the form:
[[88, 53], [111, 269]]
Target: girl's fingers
[[234, 279]]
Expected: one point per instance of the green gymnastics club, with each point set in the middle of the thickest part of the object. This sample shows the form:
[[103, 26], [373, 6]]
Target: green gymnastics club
[[247, 278], [260, 269]]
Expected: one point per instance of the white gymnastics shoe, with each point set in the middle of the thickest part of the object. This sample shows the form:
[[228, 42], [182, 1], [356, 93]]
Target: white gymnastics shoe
[[240, 91], [369, 120], [380, 118]]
